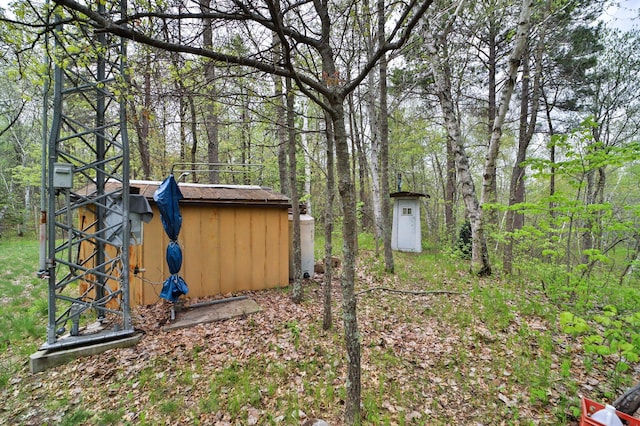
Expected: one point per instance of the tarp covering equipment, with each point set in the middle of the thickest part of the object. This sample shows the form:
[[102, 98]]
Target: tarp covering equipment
[[167, 197]]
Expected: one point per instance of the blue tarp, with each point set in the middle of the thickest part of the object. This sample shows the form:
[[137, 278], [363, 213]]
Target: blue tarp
[[167, 197]]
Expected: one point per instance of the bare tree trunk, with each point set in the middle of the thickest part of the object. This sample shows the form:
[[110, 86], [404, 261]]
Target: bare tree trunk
[[182, 115], [374, 132], [594, 191], [514, 220], [146, 121], [375, 162], [26, 212], [212, 126], [211, 118], [140, 117], [307, 160], [366, 210], [552, 156], [352, 335], [599, 197], [281, 132], [383, 121], [450, 194], [296, 290], [246, 136], [194, 135], [327, 317]]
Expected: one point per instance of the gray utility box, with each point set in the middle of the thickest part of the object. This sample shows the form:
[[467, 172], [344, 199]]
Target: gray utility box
[[62, 175]]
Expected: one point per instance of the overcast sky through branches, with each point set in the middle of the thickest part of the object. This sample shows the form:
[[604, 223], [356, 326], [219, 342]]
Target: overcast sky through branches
[[624, 14]]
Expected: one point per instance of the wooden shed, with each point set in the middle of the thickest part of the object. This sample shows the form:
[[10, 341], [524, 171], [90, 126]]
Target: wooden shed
[[233, 238]]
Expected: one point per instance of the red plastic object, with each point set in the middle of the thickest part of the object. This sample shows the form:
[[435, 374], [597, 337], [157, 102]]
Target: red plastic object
[[589, 407]]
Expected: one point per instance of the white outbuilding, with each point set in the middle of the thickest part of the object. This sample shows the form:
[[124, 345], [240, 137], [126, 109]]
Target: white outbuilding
[[406, 234]]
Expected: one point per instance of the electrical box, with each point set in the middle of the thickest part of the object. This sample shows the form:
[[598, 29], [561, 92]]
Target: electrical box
[[62, 175], [135, 221], [139, 212]]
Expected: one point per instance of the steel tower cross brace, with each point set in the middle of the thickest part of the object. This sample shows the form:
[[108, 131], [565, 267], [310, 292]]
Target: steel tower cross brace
[[88, 229]]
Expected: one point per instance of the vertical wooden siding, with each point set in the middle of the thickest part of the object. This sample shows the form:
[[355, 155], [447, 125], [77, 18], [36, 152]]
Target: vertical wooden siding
[[225, 250]]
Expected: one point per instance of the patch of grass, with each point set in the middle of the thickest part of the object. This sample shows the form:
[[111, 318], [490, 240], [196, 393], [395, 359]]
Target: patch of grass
[[235, 388], [372, 412], [185, 376], [171, 407], [27, 326], [11, 291], [210, 404], [291, 406], [366, 241], [336, 243], [110, 417], [5, 374], [495, 304], [39, 307], [23, 305], [145, 376], [76, 417], [294, 329], [565, 368]]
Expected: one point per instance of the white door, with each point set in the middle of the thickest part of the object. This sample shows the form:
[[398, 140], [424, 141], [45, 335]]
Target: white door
[[406, 225]]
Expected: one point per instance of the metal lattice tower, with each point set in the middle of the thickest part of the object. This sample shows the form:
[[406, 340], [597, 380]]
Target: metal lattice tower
[[87, 256]]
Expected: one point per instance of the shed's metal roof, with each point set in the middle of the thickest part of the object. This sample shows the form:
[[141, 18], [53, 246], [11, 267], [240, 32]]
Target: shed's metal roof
[[195, 193], [408, 194]]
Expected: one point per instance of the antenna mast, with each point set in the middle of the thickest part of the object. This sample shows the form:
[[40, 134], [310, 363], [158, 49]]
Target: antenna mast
[[87, 261]]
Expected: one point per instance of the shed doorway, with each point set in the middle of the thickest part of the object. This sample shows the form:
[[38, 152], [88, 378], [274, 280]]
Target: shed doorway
[[406, 223]]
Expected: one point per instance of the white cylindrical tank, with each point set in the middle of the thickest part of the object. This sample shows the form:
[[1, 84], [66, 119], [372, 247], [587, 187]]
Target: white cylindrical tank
[[307, 241]]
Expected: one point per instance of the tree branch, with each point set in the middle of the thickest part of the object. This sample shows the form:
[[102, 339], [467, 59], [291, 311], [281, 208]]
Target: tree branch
[[102, 23], [390, 45], [415, 293], [14, 120]]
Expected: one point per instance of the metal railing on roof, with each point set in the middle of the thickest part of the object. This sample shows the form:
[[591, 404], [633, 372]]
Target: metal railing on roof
[[226, 173]]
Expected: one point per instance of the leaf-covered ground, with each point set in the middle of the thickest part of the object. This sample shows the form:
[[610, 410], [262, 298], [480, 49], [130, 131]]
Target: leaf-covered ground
[[482, 353]]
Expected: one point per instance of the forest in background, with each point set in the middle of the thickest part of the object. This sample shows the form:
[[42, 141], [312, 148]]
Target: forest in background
[[557, 183], [520, 118]]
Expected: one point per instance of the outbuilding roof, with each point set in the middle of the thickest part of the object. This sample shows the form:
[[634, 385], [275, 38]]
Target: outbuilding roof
[[207, 194], [195, 193], [408, 194]]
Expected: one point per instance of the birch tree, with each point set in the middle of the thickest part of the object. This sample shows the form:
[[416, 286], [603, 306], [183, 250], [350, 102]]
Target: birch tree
[[489, 195], [529, 103], [439, 60]]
